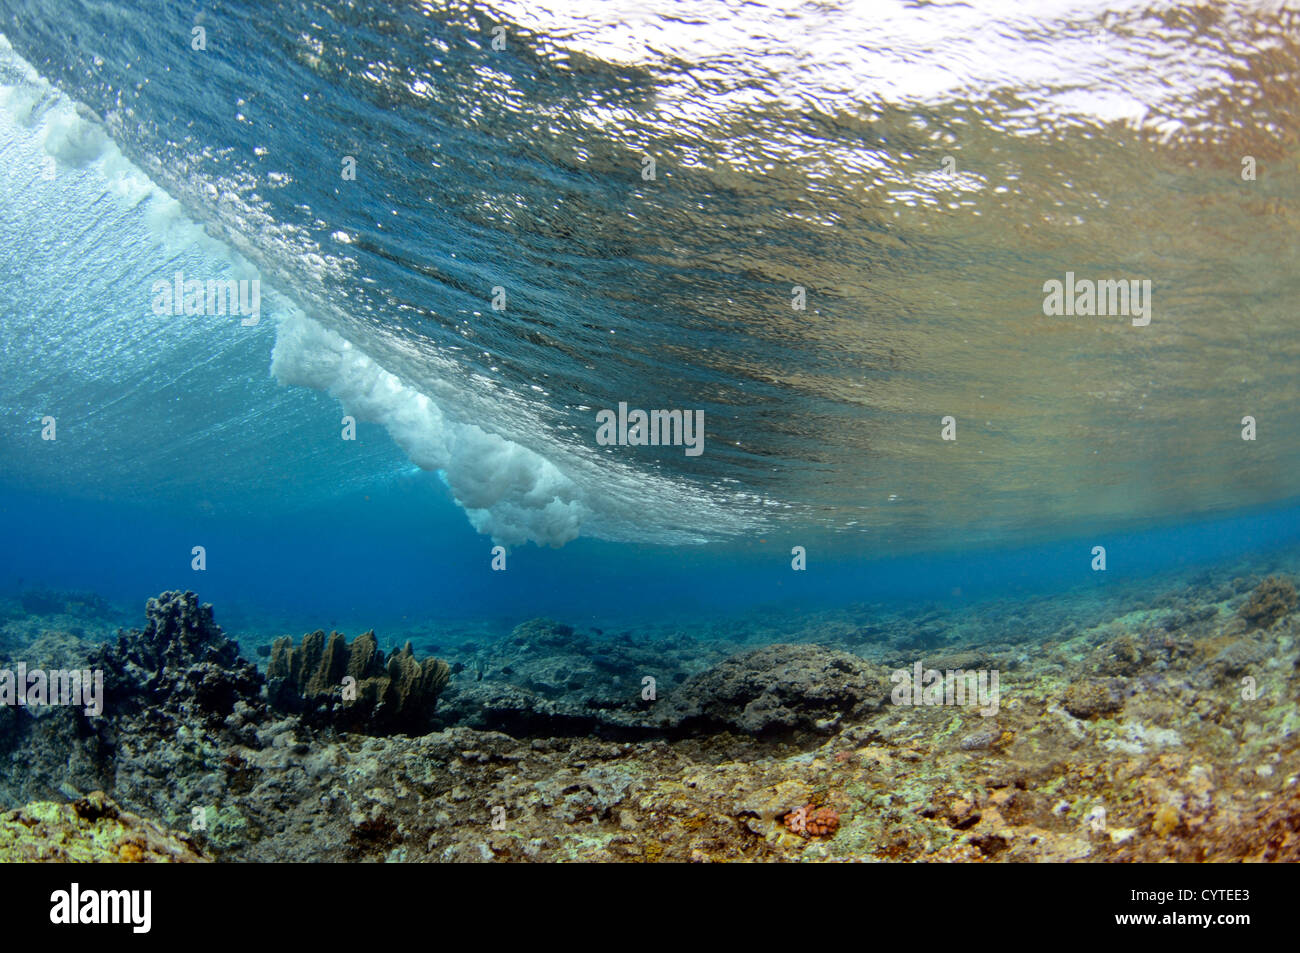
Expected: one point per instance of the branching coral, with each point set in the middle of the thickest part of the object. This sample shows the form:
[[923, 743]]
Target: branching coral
[[352, 686]]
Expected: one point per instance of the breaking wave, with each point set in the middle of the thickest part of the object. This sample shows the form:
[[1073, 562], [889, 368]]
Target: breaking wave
[[918, 174]]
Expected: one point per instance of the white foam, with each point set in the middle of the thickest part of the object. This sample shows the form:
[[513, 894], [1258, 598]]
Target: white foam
[[75, 141], [509, 492], [71, 139]]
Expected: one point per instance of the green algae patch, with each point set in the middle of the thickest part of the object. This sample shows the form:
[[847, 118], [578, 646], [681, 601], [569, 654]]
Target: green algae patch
[[89, 830]]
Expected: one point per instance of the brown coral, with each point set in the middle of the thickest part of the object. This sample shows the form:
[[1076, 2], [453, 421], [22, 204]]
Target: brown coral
[[352, 686], [1092, 698], [808, 821], [1272, 599]]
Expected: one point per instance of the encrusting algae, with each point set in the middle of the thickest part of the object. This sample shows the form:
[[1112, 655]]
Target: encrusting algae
[[92, 829]]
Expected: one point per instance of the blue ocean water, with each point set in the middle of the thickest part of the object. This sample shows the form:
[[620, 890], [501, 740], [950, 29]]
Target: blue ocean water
[[918, 172]]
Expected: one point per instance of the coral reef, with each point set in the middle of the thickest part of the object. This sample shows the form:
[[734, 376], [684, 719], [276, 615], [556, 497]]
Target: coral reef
[[1272, 599], [1151, 724], [547, 679], [92, 829], [352, 687], [1093, 697], [778, 688], [89, 605], [180, 661], [33, 613]]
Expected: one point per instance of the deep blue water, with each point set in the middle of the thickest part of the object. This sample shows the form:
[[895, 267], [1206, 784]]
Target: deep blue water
[[402, 560], [785, 158]]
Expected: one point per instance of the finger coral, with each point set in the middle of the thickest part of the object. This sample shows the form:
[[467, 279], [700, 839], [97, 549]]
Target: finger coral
[[353, 687]]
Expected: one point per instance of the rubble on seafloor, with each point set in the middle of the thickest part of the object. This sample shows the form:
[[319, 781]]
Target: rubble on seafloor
[[1163, 728]]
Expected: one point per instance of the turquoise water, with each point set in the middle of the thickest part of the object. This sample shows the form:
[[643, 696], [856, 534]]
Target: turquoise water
[[807, 149]]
